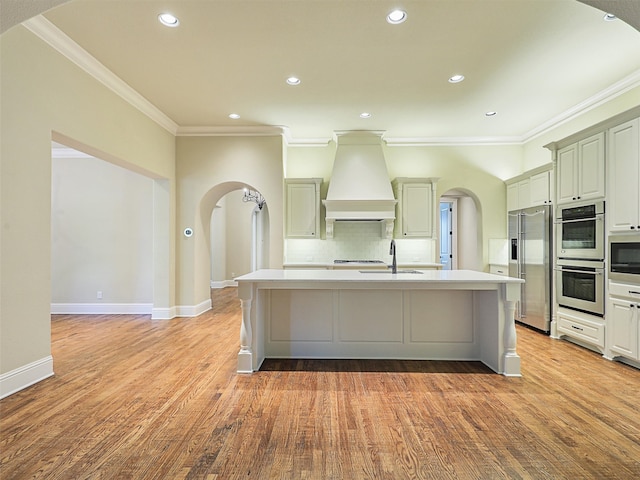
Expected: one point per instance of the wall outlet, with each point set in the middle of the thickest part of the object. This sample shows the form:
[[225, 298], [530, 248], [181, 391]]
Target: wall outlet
[[99, 294]]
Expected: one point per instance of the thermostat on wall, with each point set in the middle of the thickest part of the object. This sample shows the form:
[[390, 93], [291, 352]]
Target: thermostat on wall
[[188, 232]]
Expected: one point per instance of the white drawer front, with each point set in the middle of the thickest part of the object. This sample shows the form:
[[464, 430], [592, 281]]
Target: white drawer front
[[582, 329]]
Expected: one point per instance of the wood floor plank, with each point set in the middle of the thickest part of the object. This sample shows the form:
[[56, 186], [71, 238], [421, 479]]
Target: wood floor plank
[[143, 399]]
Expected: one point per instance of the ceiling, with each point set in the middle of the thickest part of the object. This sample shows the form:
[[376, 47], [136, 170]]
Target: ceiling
[[534, 62]]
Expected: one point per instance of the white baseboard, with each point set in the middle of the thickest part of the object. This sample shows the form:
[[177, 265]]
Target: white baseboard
[[223, 284], [193, 310], [101, 308], [163, 313], [130, 308], [25, 376]]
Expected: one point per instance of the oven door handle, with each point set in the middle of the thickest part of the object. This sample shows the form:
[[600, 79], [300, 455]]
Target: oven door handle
[[597, 217], [569, 270]]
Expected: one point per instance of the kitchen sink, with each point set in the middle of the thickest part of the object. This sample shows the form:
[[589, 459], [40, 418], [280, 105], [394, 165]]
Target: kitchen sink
[[389, 271]]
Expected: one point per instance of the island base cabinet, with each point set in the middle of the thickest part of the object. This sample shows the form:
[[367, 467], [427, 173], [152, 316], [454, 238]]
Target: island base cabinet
[[458, 315], [371, 324]]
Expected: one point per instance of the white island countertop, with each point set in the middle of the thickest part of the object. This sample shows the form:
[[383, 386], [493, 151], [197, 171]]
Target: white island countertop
[[363, 265], [376, 277]]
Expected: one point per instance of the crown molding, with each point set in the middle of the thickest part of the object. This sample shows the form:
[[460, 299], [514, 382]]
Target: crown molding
[[608, 94], [450, 141], [237, 131], [58, 40]]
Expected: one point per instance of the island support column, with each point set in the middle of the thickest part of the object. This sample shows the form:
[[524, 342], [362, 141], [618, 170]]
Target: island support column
[[511, 359], [245, 356]]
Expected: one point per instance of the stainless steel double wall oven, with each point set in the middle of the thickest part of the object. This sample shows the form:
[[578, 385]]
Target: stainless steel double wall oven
[[580, 234]]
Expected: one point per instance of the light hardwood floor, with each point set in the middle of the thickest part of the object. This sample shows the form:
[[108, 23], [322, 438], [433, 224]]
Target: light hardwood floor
[[134, 398]]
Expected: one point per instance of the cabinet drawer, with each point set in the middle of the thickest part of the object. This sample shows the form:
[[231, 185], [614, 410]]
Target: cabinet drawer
[[581, 328], [499, 270], [624, 290]]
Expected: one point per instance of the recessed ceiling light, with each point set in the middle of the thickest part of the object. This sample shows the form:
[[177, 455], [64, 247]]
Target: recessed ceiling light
[[168, 20], [609, 17], [293, 81], [234, 116], [456, 79], [365, 115], [490, 114], [397, 16]]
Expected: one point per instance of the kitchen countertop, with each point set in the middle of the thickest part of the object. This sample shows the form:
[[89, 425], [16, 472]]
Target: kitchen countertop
[[350, 275], [417, 265]]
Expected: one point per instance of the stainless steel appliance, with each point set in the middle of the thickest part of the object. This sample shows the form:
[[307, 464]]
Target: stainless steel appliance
[[580, 231], [580, 285], [624, 258], [529, 259]]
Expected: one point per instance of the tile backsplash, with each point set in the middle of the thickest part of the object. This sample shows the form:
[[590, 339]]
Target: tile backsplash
[[356, 241]]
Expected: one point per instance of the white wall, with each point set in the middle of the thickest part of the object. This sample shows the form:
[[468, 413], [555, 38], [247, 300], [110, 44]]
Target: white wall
[[101, 237]]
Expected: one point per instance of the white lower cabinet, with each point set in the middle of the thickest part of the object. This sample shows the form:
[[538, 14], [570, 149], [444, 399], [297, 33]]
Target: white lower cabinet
[[499, 270], [587, 329], [622, 320]]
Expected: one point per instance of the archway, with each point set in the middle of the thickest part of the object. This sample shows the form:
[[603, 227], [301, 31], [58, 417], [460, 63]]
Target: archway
[[461, 231], [236, 233]]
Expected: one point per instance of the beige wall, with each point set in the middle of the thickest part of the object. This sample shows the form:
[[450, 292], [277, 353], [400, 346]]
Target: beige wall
[[41, 92], [207, 169]]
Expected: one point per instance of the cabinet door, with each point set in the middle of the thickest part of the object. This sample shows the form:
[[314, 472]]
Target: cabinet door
[[567, 168], [416, 210], [624, 175], [512, 197], [539, 191], [302, 210], [591, 167], [622, 318]]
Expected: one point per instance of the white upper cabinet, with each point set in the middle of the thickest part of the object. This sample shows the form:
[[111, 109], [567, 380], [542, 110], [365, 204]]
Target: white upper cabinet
[[415, 206], [518, 194], [532, 191], [623, 206], [540, 189], [581, 170], [303, 207]]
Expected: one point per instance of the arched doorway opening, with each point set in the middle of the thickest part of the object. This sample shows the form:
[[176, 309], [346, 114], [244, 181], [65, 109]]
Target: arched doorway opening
[[460, 230], [237, 232]]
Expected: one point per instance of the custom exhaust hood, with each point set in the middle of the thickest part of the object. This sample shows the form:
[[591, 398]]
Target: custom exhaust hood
[[359, 189]]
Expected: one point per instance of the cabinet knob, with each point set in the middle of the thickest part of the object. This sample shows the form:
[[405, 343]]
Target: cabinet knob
[[632, 227]]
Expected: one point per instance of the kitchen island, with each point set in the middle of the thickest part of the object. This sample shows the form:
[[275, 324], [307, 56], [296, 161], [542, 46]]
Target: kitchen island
[[424, 315]]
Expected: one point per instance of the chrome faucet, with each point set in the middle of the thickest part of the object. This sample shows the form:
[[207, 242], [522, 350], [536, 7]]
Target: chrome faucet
[[392, 251]]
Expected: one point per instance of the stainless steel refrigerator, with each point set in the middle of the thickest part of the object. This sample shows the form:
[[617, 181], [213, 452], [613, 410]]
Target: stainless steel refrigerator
[[530, 232]]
